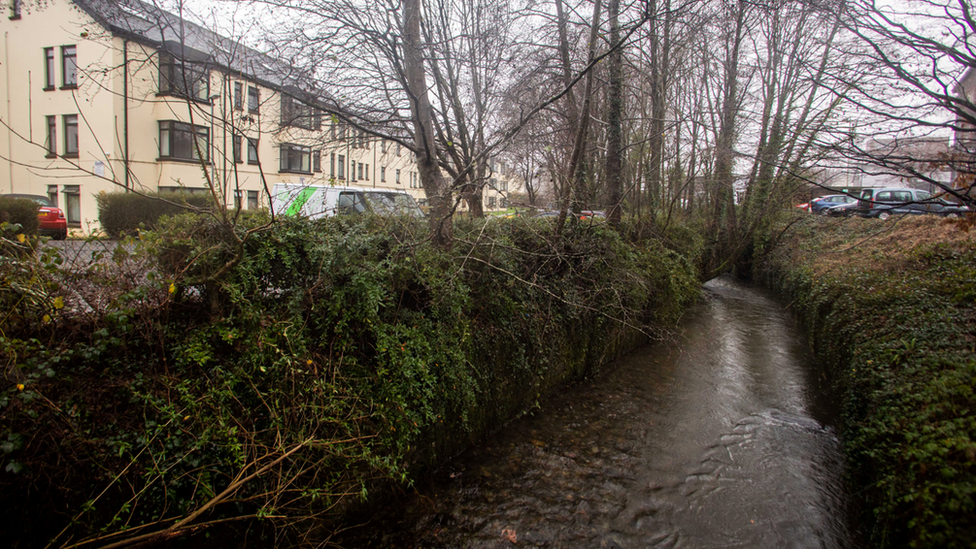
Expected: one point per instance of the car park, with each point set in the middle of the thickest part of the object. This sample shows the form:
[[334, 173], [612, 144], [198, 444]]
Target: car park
[[882, 203], [50, 218]]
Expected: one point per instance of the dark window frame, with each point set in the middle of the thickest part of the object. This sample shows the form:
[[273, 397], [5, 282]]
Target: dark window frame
[[253, 100], [252, 147], [71, 140], [182, 79], [294, 159], [65, 56], [174, 129], [15, 6], [238, 96], [50, 68], [341, 163], [237, 147], [298, 114], [52, 137], [317, 161]]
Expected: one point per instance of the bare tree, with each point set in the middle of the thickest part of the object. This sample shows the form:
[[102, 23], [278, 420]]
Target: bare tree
[[914, 82]]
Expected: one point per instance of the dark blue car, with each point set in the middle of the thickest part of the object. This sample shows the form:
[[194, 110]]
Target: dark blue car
[[822, 204]]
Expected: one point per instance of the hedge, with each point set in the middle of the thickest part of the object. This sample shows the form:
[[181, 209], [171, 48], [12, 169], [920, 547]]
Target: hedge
[[21, 211], [124, 213]]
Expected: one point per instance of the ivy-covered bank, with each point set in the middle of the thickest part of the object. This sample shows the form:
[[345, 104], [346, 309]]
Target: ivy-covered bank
[[891, 309], [191, 385]]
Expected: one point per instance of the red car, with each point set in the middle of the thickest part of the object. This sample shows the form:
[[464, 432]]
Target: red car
[[50, 218]]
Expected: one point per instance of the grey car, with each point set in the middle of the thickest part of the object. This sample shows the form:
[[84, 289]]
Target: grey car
[[885, 202]]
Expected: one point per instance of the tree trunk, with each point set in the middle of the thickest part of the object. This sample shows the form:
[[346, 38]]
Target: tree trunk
[[615, 100], [576, 173], [435, 187]]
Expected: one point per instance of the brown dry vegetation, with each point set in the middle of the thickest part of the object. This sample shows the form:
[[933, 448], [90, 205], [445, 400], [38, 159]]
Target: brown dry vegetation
[[874, 244]]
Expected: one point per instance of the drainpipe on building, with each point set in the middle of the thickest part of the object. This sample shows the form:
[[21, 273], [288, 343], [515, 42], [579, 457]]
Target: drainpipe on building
[[125, 109], [6, 63]]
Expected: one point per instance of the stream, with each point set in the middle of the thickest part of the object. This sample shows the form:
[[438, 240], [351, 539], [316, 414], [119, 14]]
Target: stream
[[722, 437]]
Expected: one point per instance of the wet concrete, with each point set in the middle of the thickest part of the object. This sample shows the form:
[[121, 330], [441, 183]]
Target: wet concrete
[[721, 438]]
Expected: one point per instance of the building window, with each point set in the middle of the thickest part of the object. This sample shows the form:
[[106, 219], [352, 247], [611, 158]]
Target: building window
[[341, 163], [238, 150], [367, 172], [15, 9], [237, 199], [183, 78], [70, 122], [382, 174], [332, 165], [252, 200], [491, 202], [48, 69], [51, 143], [253, 99], [69, 67], [317, 161], [382, 145], [360, 170], [72, 204], [295, 158], [238, 96], [252, 151], [182, 141], [298, 114], [52, 195], [398, 176]]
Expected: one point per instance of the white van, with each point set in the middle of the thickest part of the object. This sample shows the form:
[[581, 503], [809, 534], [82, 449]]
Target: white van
[[314, 201]]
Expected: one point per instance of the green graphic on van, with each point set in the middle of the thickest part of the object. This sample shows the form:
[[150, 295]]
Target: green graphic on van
[[300, 200]]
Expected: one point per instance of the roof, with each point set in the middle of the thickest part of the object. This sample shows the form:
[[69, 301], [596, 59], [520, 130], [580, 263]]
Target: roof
[[184, 39]]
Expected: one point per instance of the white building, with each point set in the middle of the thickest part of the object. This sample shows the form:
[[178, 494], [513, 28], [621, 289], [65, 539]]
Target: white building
[[101, 95]]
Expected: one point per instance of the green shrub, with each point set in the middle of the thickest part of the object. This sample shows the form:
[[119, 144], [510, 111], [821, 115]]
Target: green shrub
[[19, 211], [124, 213]]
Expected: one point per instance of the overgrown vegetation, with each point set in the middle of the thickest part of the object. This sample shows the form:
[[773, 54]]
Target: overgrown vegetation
[[125, 213], [333, 358], [891, 309]]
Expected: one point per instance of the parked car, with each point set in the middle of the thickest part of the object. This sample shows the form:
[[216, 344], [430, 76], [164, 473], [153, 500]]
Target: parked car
[[885, 202], [840, 210], [50, 218], [821, 204], [592, 214]]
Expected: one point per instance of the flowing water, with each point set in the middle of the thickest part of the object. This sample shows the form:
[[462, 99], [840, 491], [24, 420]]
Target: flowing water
[[720, 439]]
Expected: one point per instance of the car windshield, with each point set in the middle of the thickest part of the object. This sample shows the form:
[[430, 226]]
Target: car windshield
[[385, 203]]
